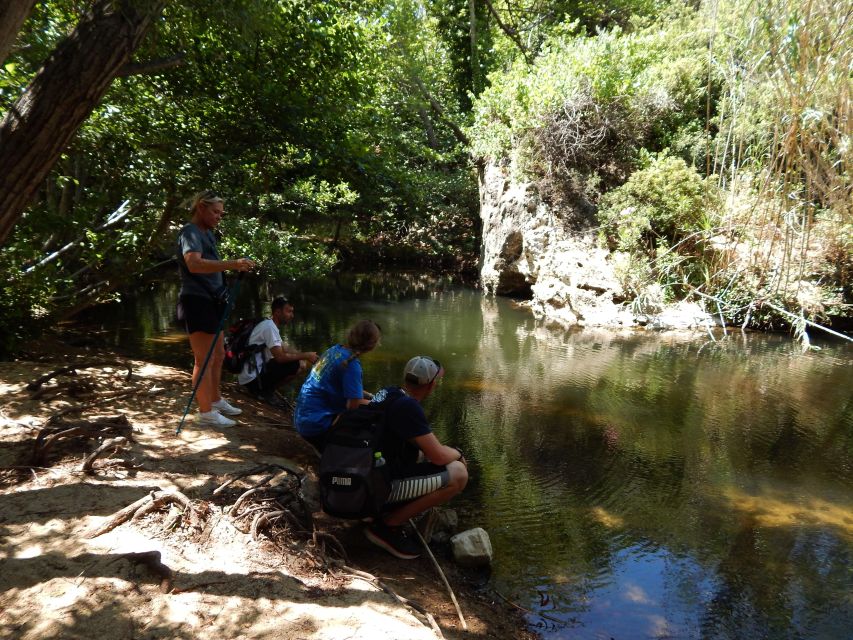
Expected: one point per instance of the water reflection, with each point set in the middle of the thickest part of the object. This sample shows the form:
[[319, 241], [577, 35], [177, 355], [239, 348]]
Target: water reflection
[[634, 485]]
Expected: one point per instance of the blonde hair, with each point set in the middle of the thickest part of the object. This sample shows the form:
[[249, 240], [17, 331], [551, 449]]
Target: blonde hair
[[204, 198], [362, 337]]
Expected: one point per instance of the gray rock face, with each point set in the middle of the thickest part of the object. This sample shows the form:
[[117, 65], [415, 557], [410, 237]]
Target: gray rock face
[[472, 548], [531, 251]]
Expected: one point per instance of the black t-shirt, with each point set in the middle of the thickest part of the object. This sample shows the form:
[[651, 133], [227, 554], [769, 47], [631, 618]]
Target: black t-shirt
[[405, 420]]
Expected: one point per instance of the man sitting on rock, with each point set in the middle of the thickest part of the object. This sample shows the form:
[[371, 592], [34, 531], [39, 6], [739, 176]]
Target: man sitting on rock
[[269, 367], [424, 473]]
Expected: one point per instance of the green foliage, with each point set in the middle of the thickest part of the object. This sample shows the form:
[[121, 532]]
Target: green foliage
[[23, 303], [664, 202], [589, 104], [279, 252], [305, 116], [667, 213]]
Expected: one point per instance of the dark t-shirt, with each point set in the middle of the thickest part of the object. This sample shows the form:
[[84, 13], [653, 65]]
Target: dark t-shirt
[[193, 239], [405, 420]]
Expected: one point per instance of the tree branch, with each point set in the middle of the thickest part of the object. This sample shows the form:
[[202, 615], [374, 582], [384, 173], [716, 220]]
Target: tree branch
[[511, 33], [436, 106]]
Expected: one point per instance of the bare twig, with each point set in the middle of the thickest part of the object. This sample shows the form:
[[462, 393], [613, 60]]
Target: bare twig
[[530, 611], [404, 601], [443, 577]]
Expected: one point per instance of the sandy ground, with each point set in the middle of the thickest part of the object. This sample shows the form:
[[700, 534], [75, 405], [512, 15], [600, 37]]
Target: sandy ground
[[57, 581]]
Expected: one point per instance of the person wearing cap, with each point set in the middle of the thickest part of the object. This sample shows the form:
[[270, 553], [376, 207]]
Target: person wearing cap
[[272, 363], [424, 472]]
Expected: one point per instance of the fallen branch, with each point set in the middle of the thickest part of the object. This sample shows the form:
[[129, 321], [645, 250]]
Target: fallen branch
[[443, 577], [113, 444], [123, 516], [152, 501], [808, 322], [402, 600]]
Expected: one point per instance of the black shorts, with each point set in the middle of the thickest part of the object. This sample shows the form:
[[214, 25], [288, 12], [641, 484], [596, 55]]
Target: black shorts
[[416, 480], [272, 375], [200, 314]]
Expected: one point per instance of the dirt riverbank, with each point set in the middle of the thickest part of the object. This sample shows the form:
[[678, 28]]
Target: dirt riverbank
[[189, 569]]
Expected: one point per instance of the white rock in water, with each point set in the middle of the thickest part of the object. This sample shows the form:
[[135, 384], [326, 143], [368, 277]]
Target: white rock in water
[[472, 548]]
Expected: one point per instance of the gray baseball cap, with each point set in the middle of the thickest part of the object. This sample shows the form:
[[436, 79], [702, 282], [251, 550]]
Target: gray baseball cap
[[422, 370]]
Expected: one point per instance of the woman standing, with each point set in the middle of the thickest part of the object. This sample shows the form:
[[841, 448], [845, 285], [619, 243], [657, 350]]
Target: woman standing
[[201, 298], [334, 384]]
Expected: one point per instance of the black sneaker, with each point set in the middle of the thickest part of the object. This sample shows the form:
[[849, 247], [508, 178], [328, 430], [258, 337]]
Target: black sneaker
[[394, 540], [275, 401]]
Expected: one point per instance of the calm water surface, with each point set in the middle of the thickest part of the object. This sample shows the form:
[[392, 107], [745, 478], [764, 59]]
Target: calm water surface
[[634, 485]]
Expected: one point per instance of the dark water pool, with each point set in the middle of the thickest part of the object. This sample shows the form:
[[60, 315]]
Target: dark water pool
[[634, 485]]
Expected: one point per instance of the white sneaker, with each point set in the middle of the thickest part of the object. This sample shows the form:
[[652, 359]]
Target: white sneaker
[[215, 419], [225, 408]]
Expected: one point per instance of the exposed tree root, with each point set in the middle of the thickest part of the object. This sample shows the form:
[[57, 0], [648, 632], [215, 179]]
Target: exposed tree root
[[74, 388], [270, 506], [113, 445], [153, 501], [71, 370], [94, 403], [113, 426]]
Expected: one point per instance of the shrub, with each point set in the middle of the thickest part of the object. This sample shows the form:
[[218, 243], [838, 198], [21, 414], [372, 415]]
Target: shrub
[[668, 213], [590, 103]]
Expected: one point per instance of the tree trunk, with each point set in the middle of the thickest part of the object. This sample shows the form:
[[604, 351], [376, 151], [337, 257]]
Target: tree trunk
[[70, 84], [12, 16], [475, 62]]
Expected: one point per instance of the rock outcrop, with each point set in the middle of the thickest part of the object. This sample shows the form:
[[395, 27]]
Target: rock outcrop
[[551, 259]]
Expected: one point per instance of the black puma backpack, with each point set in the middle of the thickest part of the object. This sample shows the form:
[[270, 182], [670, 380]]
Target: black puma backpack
[[354, 480]]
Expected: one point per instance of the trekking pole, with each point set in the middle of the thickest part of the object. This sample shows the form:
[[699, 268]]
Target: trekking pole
[[441, 575], [232, 298]]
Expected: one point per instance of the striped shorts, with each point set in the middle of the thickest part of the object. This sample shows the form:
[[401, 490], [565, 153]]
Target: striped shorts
[[418, 480]]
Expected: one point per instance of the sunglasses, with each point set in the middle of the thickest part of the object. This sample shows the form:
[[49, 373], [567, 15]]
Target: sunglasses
[[437, 371]]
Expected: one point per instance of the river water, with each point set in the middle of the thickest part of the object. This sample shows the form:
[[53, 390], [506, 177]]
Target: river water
[[634, 485]]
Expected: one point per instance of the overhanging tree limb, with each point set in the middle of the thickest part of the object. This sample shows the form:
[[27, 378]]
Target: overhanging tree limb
[[115, 217], [436, 106], [511, 33], [70, 84]]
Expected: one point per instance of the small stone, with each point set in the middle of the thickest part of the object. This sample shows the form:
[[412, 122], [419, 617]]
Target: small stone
[[472, 548]]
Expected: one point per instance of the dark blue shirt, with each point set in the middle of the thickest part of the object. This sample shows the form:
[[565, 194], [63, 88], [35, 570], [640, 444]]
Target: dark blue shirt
[[191, 239]]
